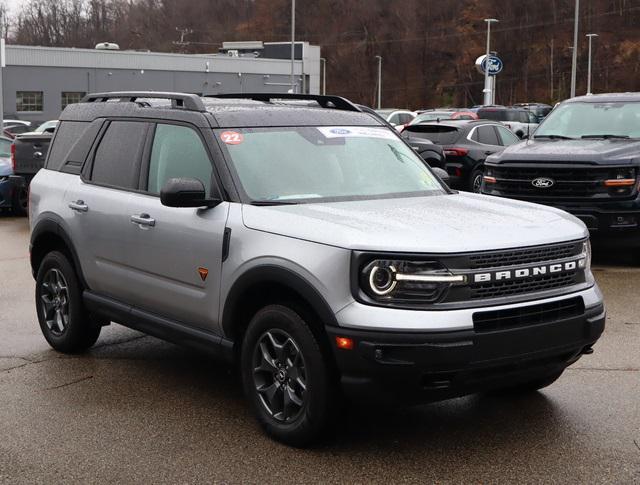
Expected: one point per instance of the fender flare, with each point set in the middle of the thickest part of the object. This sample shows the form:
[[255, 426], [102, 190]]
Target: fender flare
[[269, 273], [52, 224]]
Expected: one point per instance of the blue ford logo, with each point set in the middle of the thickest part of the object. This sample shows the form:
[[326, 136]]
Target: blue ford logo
[[340, 131], [543, 182]]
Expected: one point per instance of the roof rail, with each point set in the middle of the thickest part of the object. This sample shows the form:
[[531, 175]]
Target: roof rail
[[335, 102], [189, 102]]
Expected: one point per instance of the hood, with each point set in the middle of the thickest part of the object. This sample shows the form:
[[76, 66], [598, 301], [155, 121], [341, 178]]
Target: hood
[[440, 224], [599, 151], [5, 167]]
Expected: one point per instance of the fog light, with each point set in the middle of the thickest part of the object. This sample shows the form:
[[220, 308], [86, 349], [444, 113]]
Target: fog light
[[344, 343], [624, 220]]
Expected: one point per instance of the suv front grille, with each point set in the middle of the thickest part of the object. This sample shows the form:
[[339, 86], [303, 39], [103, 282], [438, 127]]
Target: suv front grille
[[568, 182], [516, 287], [522, 256], [528, 315]]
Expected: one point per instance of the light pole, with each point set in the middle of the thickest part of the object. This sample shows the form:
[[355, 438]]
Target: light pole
[[591, 36], [574, 60], [293, 44], [323, 61], [487, 87], [379, 81]]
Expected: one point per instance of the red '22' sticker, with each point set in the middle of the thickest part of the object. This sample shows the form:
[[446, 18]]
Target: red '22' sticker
[[231, 137]]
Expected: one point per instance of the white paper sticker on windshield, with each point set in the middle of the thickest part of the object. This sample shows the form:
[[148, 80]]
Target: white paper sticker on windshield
[[356, 131]]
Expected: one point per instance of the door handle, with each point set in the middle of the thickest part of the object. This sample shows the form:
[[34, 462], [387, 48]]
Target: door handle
[[488, 152], [143, 220], [78, 206]]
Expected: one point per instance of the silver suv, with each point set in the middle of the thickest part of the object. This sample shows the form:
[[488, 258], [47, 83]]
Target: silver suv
[[306, 241]]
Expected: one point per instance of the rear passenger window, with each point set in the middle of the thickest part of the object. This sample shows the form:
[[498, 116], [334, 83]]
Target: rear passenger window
[[67, 134], [487, 135], [177, 152], [117, 158]]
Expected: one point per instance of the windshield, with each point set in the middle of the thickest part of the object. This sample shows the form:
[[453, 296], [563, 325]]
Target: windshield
[[592, 120], [440, 134], [46, 125], [328, 163]]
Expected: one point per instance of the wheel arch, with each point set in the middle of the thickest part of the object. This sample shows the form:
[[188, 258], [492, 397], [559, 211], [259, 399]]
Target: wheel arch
[[268, 284], [49, 235]]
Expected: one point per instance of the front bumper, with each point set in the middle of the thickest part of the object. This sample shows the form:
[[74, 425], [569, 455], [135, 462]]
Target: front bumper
[[421, 367]]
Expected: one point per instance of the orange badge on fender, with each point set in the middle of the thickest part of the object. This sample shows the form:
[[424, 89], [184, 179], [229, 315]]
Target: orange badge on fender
[[203, 272]]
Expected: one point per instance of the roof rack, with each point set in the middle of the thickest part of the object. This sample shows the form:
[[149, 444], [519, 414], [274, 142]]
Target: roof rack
[[189, 102], [334, 102]]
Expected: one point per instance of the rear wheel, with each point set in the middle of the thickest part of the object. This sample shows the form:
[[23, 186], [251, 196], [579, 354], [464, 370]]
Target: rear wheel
[[475, 181], [21, 201], [286, 377], [64, 322]]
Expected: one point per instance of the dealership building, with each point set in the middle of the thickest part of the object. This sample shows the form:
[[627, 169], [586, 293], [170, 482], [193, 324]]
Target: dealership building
[[38, 82]]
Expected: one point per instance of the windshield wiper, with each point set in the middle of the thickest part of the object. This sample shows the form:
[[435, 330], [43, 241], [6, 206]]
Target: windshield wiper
[[606, 137], [555, 137], [272, 202]]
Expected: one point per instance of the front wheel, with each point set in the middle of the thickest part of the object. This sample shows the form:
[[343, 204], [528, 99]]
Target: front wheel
[[286, 376], [64, 322]]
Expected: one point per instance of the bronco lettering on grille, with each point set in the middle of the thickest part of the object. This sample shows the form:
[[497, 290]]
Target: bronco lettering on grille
[[531, 271]]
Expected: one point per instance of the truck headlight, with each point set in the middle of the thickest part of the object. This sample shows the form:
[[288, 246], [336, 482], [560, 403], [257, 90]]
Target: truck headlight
[[394, 280], [585, 263]]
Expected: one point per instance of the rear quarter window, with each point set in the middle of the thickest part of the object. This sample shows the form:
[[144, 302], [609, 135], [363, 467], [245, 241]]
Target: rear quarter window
[[66, 135]]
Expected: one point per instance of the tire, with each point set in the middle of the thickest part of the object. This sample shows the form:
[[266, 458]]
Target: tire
[[533, 385], [64, 322], [282, 362], [475, 181], [21, 201]]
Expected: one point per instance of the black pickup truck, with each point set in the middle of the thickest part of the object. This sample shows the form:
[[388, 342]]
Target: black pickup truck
[[584, 158], [28, 154]]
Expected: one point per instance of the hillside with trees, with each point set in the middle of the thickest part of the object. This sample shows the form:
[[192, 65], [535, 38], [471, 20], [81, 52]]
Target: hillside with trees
[[428, 46]]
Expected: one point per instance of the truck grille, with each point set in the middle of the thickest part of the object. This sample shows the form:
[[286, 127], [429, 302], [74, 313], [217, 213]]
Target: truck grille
[[524, 256], [528, 315], [530, 285], [510, 260], [568, 182]]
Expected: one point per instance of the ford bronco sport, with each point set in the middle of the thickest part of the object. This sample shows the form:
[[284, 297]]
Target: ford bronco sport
[[307, 242]]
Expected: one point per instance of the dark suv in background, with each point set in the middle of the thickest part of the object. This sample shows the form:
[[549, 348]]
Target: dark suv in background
[[466, 145], [584, 158]]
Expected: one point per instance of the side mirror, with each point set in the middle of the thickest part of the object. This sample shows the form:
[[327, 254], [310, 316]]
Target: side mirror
[[442, 174], [185, 192]]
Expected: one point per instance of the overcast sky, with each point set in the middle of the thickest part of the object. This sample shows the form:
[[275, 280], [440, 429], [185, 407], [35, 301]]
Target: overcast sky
[[13, 5]]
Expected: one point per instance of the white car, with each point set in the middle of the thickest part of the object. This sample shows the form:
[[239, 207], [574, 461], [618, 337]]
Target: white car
[[398, 118]]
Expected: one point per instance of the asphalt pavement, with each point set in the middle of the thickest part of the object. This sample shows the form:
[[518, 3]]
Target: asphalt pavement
[[138, 410]]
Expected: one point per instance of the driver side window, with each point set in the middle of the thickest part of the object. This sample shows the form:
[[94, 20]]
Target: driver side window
[[177, 152]]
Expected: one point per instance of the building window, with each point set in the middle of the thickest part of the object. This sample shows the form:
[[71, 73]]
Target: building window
[[70, 97], [29, 101]]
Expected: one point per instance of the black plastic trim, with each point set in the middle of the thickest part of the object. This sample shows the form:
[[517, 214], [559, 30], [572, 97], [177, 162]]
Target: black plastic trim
[[278, 275], [158, 326]]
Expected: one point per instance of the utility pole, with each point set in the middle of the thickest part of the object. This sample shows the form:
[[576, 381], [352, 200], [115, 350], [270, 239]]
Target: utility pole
[[488, 96], [293, 45], [590, 36], [574, 61], [551, 72], [2, 64], [183, 43], [379, 81], [323, 61]]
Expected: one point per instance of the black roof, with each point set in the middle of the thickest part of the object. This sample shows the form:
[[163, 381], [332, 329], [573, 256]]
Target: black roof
[[605, 98], [231, 110]]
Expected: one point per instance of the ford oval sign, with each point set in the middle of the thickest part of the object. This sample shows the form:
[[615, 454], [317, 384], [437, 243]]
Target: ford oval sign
[[543, 183], [495, 65]]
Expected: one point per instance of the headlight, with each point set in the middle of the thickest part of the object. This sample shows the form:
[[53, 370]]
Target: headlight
[[586, 254], [392, 280]]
